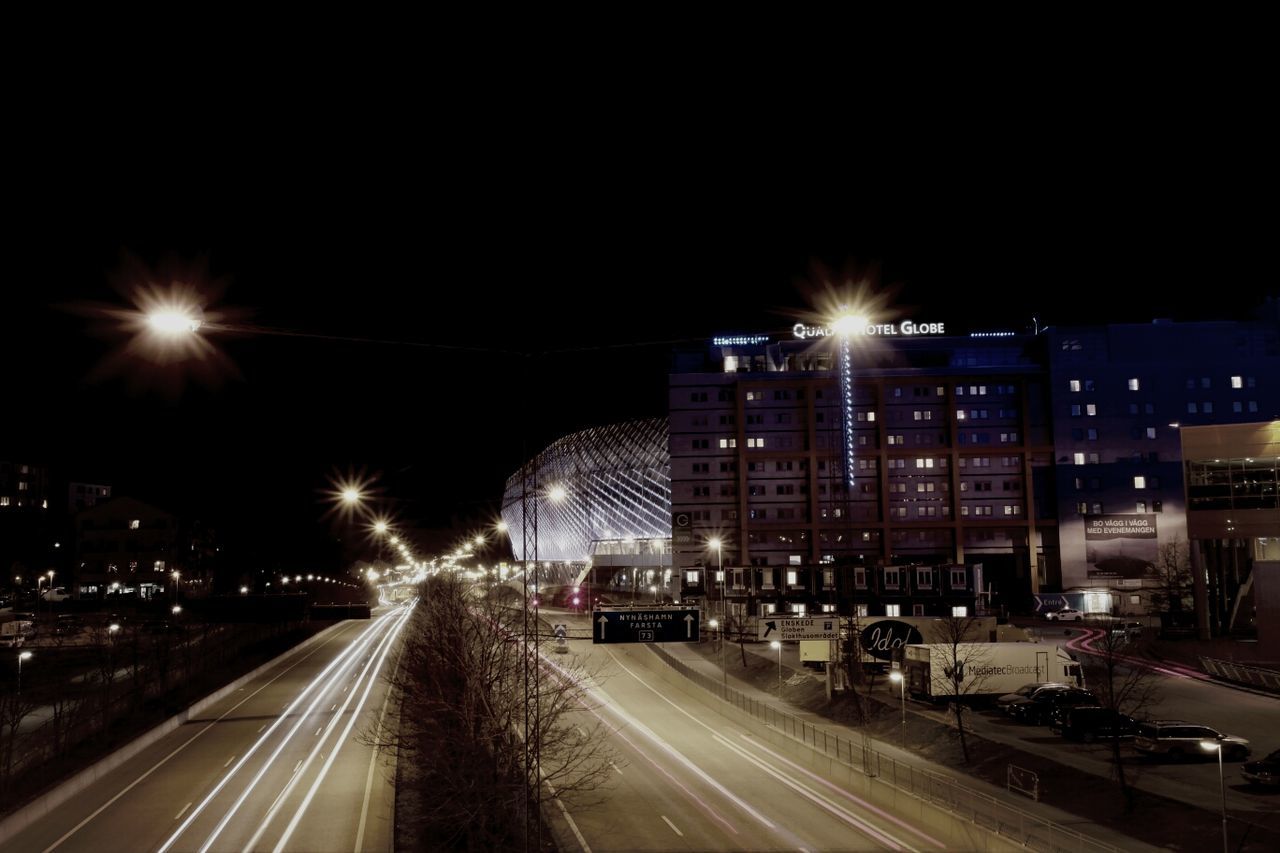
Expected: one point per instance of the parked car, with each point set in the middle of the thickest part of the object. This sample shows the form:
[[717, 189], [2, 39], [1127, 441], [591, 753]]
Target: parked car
[[1264, 771], [1040, 707], [1089, 723], [1179, 740], [1128, 631], [1066, 614], [57, 593], [1024, 692], [68, 623]]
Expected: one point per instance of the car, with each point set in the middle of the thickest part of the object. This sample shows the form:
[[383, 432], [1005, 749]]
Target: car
[[57, 593], [1042, 706], [1024, 692], [1264, 771], [1179, 740], [1091, 722], [1066, 614], [1127, 631]]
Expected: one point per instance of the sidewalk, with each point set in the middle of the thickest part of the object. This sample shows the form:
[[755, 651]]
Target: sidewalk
[[1163, 819]]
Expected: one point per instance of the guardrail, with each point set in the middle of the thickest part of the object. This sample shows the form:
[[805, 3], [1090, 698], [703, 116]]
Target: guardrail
[[954, 795], [1267, 679]]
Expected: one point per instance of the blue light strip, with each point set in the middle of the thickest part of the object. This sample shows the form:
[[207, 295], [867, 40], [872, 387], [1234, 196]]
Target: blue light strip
[[846, 392]]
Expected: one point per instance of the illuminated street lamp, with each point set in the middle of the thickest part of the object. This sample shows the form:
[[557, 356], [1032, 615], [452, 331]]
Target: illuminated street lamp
[[21, 657], [1216, 746], [896, 677], [177, 608], [774, 644], [716, 543]]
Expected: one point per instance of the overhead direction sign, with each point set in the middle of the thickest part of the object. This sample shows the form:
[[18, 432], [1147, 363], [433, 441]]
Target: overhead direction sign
[[667, 625], [799, 628]]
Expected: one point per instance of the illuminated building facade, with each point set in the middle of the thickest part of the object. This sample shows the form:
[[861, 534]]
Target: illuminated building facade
[[601, 495]]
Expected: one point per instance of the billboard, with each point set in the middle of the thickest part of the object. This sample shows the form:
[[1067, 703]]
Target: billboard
[[1120, 545]]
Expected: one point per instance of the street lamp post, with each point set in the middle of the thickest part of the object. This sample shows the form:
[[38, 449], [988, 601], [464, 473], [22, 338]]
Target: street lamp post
[[896, 676], [777, 645], [1216, 746], [724, 612], [21, 657]]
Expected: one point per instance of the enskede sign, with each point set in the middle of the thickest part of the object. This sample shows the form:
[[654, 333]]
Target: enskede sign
[[799, 629]]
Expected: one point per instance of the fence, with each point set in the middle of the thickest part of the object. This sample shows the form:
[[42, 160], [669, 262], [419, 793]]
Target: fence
[[1267, 679], [953, 795]]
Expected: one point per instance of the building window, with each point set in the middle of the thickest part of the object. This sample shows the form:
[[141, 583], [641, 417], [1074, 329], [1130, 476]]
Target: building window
[[1012, 509], [1140, 506], [1133, 385], [917, 610], [860, 578], [1093, 458], [1096, 507], [1151, 432], [755, 442], [1075, 385], [1191, 408], [1088, 385], [1079, 458], [134, 523], [691, 578], [1253, 405], [861, 610], [893, 610], [1139, 482], [1091, 409], [1208, 408], [959, 611], [1076, 410], [1204, 382], [924, 578], [704, 443], [828, 608], [891, 578], [1237, 381], [959, 578], [1082, 507]]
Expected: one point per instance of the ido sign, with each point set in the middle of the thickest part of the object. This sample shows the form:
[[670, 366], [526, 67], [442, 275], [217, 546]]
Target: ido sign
[[674, 625]]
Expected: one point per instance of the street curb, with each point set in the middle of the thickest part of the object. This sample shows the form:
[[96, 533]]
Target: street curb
[[63, 791]]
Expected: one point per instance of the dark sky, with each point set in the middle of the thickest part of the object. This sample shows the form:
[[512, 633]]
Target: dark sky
[[485, 254]]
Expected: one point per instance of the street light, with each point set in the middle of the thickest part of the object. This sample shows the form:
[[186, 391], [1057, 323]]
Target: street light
[[896, 676], [1216, 746], [715, 542], [21, 657], [776, 645]]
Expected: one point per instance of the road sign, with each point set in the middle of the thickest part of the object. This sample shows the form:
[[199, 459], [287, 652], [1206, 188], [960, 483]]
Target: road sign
[[666, 625], [799, 628]]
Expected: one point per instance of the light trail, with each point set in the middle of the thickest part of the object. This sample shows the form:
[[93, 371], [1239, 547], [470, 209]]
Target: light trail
[[340, 661]]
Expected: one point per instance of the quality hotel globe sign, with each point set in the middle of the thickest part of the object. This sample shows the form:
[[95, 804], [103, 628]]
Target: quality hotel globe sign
[[906, 328]]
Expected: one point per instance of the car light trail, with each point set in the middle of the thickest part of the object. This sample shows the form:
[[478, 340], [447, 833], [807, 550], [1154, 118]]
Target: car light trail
[[270, 762], [340, 661], [381, 655]]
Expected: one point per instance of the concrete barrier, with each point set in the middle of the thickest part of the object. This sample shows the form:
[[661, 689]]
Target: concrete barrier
[[63, 791]]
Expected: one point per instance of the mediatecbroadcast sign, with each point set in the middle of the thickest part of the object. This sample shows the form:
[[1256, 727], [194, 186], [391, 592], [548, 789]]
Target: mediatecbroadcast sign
[[905, 328]]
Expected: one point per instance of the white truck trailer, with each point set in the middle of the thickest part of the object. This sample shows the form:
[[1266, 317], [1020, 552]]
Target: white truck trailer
[[985, 669]]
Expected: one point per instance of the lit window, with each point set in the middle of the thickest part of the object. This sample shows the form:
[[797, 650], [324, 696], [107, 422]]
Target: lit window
[[134, 524], [1133, 385], [959, 611], [862, 610], [1079, 458], [1075, 385], [1237, 381], [691, 578], [1091, 410], [893, 610], [751, 395], [1140, 506], [730, 364], [1151, 432], [4, 500], [792, 577]]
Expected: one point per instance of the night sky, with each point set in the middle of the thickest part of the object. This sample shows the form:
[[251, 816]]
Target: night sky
[[592, 261]]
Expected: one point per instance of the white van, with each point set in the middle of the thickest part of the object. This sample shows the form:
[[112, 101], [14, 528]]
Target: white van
[[58, 593]]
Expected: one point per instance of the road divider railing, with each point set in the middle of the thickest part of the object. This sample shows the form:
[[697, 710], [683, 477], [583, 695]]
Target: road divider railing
[[1267, 679], [956, 796]]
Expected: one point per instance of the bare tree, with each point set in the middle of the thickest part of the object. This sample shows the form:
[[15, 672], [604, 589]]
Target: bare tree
[[1122, 688], [466, 680], [962, 663], [1170, 579]]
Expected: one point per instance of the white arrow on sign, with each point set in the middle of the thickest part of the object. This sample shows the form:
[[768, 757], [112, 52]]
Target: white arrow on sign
[[688, 627], [602, 622]]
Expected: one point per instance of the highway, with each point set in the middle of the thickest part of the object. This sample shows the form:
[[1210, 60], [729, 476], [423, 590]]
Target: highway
[[276, 765], [687, 779]]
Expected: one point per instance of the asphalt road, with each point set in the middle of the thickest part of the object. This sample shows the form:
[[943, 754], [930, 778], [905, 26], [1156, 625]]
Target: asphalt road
[[277, 765], [685, 778]]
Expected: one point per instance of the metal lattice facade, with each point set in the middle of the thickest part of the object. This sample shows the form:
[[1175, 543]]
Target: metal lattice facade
[[616, 483]]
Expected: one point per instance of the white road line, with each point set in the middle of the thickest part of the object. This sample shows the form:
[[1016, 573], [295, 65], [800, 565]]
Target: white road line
[[373, 757], [228, 764], [615, 767], [672, 825], [319, 730], [79, 826], [184, 810], [334, 708], [260, 728], [296, 766]]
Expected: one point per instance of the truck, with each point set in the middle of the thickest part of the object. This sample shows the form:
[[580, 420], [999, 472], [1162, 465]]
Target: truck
[[986, 669], [16, 632]]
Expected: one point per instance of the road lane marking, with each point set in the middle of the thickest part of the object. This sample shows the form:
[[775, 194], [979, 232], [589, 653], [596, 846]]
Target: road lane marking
[[184, 810], [260, 728], [334, 708], [296, 766], [319, 730], [615, 767], [672, 825], [228, 764], [79, 826], [373, 757]]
